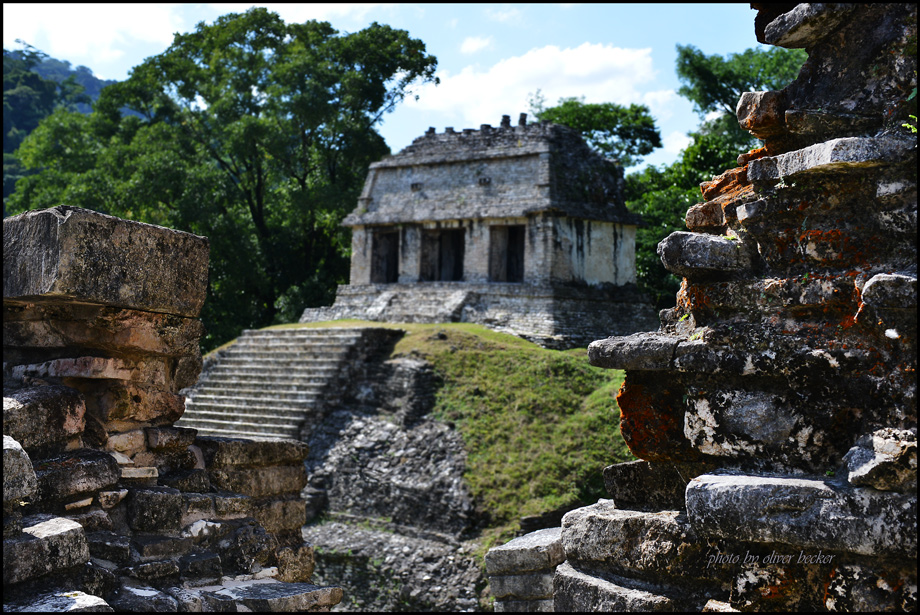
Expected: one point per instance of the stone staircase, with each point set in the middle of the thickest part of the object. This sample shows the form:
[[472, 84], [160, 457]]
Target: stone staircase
[[269, 382]]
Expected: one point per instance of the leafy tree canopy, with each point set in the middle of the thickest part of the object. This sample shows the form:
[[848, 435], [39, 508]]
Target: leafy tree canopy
[[253, 132], [623, 133], [662, 195]]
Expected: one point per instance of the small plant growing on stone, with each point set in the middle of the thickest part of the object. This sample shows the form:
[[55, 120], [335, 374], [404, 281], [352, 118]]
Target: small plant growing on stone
[[683, 318]]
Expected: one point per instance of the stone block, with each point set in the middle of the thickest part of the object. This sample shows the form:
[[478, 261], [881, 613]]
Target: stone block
[[268, 595], [834, 155], [806, 24], [201, 565], [105, 329], [62, 602], [93, 520], [540, 550], [640, 351], [696, 255], [260, 482], [248, 549], [129, 443], [576, 591], [124, 406], [296, 565], [109, 546], [524, 606], [651, 486], [160, 547], [19, 482], [66, 476], [70, 254], [134, 598], [47, 544], [533, 586], [250, 452], [110, 499], [281, 515], [805, 513], [187, 481], [231, 506], [43, 419], [154, 571], [155, 509], [609, 537], [705, 216], [170, 438], [885, 460], [887, 290], [762, 113]]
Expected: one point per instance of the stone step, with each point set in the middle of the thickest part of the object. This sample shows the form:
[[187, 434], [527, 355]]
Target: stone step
[[210, 426], [227, 410], [231, 389], [46, 545], [269, 595], [61, 602], [220, 432], [304, 358], [578, 591], [248, 403], [255, 375]]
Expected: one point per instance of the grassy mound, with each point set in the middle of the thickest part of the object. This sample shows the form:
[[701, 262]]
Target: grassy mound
[[539, 425]]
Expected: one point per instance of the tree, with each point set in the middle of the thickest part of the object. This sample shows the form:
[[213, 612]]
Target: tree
[[662, 195], [622, 133], [253, 132]]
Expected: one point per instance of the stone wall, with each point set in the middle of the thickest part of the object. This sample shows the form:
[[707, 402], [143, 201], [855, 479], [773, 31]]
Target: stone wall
[[106, 503], [775, 410]]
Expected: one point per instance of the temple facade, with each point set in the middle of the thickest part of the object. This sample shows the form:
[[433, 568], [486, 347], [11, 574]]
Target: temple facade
[[520, 228]]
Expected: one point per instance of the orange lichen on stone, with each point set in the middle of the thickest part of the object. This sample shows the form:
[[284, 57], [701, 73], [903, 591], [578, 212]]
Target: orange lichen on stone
[[652, 421]]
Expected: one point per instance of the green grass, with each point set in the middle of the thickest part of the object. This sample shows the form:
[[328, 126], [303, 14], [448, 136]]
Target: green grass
[[539, 425]]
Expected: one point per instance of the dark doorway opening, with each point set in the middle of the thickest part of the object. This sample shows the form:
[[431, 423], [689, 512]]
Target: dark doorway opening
[[385, 257], [506, 253], [442, 254]]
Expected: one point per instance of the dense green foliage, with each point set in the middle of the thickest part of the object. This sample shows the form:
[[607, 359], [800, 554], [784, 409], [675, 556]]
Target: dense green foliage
[[622, 133], [539, 425], [662, 195], [254, 133], [28, 98]]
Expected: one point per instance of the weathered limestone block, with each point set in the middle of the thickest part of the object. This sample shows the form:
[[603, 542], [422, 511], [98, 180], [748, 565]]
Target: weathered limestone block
[[696, 255], [170, 438], [295, 565], [532, 586], [83, 472], [658, 547], [67, 253], [524, 606], [152, 548], [281, 515], [806, 24], [575, 591], [861, 589], [643, 485], [19, 482], [834, 155], [540, 550], [47, 544], [62, 602], [45, 420], [259, 482], [109, 546], [126, 406], [155, 509], [268, 595], [640, 351], [885, 460], [251, 452], [135, 597], [886, 290], [762, 113], [806, 513], [101, 328]]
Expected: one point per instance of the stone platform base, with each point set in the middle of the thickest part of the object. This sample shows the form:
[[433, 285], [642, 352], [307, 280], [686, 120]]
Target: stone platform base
[[552, 316]]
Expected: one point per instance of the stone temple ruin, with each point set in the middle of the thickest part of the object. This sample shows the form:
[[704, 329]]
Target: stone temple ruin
[[522, 229], [775, 410], [106, 504]]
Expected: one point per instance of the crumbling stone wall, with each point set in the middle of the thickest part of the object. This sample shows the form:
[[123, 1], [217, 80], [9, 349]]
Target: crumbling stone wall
[[106, 503], [775, 409]]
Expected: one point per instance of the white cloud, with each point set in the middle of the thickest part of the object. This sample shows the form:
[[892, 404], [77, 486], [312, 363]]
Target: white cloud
[[599, 73], [86, 30], [661, 103], [503, 15], [713, 115], [675, 142], [472, 44]]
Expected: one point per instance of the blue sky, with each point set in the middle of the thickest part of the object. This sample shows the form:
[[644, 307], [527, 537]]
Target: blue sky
[[490, 56]]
